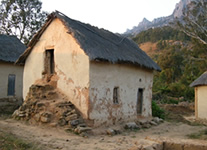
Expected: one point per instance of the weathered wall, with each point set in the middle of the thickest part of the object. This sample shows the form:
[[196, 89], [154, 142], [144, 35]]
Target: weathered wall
[[201, 102], [5, 70], [71, 65], [103, 78]]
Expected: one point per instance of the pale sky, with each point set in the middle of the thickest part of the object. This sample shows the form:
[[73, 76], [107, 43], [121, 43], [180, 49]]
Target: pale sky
[[114, 15]]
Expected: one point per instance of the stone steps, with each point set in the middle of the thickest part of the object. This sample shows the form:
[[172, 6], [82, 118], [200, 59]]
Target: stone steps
[[47, 106]]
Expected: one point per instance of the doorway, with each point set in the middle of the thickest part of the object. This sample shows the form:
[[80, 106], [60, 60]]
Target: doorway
[[49, 62], [139, 101]]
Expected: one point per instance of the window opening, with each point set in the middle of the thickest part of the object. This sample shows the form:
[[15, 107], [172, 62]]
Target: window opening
[[116, 95]]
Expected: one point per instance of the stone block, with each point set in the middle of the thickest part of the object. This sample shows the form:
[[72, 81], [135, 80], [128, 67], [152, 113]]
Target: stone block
[[71, 117], [45, 119], [110, 132], [82, 129], [131, 125], [74, 122], [62, 122], [153, 123]]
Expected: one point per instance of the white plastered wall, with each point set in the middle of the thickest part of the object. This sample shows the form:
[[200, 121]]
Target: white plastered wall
[[71, 65], [201, 98], [103, 78], [5, 70]]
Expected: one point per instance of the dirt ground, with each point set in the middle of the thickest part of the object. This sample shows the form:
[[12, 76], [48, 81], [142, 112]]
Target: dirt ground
[[52, 138]]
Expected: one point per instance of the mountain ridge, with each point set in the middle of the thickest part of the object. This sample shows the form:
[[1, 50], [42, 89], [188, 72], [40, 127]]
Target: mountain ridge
[[161, 21]]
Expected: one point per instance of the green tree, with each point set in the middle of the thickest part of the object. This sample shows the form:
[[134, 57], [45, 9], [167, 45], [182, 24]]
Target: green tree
[[194, 21], [21, 18]]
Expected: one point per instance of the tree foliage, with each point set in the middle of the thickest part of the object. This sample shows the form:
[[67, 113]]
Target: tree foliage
[[180, 65], [21, 18], [194, 21]]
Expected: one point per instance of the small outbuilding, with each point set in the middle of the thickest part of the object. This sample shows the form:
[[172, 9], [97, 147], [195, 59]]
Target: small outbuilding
[[200, 86], [11, 76], [105, 75]]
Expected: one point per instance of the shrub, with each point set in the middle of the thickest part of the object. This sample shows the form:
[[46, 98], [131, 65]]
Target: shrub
[[157, 111]]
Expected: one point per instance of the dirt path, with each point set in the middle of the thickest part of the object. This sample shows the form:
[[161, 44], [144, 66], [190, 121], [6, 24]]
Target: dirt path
[[56, 138]]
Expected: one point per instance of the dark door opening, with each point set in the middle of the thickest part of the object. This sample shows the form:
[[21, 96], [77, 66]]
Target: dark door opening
[[139, 101], [49, 62], [11, 85]]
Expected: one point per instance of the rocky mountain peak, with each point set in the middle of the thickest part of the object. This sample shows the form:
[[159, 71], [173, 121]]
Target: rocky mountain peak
[[161, 21], [178, 11], [144, 22]]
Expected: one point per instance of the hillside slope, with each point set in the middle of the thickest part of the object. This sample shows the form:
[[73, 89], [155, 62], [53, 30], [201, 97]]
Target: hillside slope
[[181, 59]]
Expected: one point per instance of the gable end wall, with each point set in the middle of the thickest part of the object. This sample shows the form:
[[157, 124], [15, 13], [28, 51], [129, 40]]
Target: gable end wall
[[71, 65]]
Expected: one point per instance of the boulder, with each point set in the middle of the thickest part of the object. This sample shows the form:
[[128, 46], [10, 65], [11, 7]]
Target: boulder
[[82, 129]]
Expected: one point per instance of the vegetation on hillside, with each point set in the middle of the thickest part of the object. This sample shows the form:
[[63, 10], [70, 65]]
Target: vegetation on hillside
[[181, 59], [160, 34]]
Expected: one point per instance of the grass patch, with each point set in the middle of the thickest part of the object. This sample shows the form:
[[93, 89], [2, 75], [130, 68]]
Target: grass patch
[[202, 135], [11, 142]]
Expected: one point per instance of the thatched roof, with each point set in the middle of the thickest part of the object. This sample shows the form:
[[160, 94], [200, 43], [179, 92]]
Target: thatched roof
[[10, 48], [98, 44], [202, 80]]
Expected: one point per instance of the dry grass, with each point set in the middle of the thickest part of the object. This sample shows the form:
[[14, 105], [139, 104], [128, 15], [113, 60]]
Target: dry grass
[[9, 141], [149, 47], [202, 135]]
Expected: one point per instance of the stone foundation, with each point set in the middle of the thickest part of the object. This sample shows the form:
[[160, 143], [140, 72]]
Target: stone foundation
[[9, 105]]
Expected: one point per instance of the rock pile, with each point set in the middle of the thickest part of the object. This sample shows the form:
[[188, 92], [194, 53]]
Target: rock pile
[[143, 123], [46, 105], [140, 124]]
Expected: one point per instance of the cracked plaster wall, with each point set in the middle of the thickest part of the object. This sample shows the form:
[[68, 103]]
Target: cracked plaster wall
[[103, 78]]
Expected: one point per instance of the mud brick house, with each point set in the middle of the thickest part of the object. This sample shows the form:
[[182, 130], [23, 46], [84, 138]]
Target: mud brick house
[[11, 76], [106, 76], [200, 86]]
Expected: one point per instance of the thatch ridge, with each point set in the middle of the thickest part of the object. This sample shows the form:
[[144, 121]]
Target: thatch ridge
[[10, 48], [99, 44], [202, 80]]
